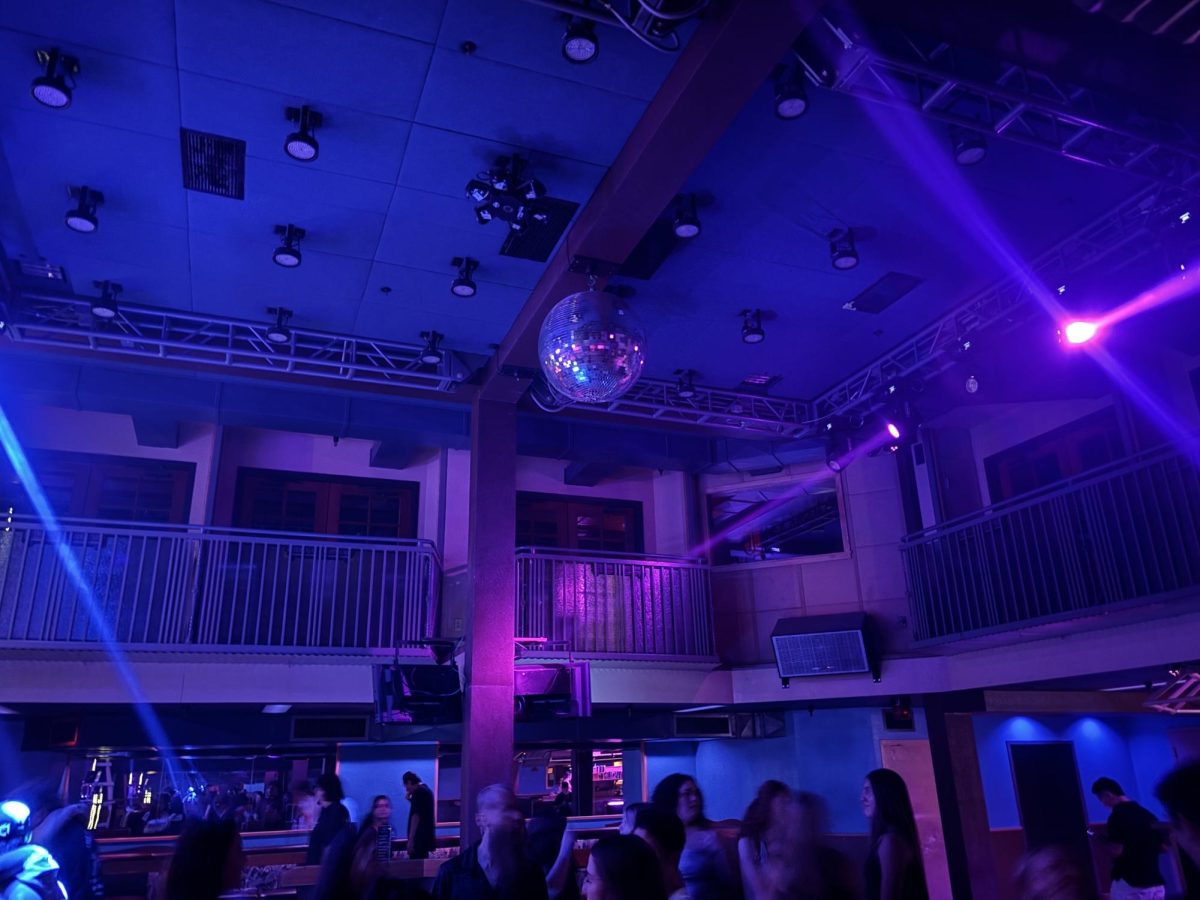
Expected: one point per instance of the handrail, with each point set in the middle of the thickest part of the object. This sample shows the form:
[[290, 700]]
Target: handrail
[[1130, 463], [616, 555]]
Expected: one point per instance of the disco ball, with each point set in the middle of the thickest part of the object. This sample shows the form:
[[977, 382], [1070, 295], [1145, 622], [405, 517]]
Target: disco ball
[[590, 348]]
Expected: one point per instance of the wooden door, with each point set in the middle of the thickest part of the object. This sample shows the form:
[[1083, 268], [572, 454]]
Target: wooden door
[[913, 762]]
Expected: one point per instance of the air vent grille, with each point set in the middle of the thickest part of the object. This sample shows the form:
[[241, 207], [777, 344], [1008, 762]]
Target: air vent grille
[[213, 164], [538, 242], [883, 293], [820, 645]]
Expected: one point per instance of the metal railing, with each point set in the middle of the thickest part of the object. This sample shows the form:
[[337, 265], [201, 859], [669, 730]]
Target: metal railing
[[615, 605], [1126, 532], [178, 586]]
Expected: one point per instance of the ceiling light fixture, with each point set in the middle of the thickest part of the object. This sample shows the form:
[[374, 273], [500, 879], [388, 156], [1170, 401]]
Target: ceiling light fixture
[[580, 44], [301, 145], [969, 148], [687, 223], [752, 330], [287, 254], [842, 252], [464, 285], [791, 100], [276, 709], [105, 306], [279, 333], [431, 353], [685, 387], [83, 217], [52, 89], [1080, 332]]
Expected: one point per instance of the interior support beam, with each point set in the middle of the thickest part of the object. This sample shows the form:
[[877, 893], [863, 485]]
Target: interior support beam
[[725, 62]]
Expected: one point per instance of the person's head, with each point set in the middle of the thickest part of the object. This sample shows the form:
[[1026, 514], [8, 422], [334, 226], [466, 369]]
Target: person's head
[[623, 867], [496, 809], [1107, 792], [763, 809], [629, 816], [381, 810], [886, 804], [411, 780], [15, 826], [208, 861], [1179, 793], [329, 790], [664, 833], [681, 795], [1052, 874]]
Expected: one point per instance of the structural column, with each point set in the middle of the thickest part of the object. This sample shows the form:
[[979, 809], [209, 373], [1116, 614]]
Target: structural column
[[491, 616]]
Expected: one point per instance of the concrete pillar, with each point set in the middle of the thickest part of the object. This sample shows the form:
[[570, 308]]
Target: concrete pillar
[[491, 616]]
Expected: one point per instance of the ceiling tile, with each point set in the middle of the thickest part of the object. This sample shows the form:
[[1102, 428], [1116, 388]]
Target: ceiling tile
[[141, 29], [417, 19]]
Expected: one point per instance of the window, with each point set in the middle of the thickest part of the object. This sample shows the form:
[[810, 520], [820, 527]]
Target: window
[[269, 500], [578, 523], [781, 521], [1079, 446], [116, 488]]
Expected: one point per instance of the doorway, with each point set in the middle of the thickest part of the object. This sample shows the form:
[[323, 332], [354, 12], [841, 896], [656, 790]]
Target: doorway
[[1050, 798]]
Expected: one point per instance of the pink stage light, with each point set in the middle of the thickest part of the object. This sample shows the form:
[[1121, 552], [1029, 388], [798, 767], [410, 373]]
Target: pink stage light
[[893, 429], [1080, 332]]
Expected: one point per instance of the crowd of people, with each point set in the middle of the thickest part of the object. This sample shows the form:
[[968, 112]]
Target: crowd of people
[[664, 849]]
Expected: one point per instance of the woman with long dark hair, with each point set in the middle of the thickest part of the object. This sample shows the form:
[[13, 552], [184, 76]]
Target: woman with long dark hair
[[757, 821], [709, 861], [893, 870], [623, 867], [208, 861]]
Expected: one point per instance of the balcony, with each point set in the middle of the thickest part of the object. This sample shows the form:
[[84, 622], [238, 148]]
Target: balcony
[[616, 606], [1128, 532], [190, 587]]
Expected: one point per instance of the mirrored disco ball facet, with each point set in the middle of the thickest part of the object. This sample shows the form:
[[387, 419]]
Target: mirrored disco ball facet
[[591, 349]]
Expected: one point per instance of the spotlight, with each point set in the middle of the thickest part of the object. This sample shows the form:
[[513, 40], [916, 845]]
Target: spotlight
[[893, 430], [752, 330], [685, 387], [687, 223], [83, 217], [972, 384], [464, 285], [1079, 332], [105, 306], [834, 463], [432, 353], [579, 43], [969, 148], [791, 100], [301, 145], [279, 333], [52, 89], [287, 254], [842, 252]]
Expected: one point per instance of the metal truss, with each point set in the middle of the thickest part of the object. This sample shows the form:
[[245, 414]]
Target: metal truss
[[147, 333], [752, 414], [1017, 104], [933, 349]]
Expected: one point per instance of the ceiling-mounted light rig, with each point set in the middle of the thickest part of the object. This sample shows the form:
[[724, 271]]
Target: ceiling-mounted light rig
[[82, 217], [287, 254], [687, 223], [504, 192], [970, 147], [464, 285], [842, 252], [432, 353], [105, 306], [53, 89], [752, 330], [685, 386], [301, 145], [278, 332], [580, 44], [791, 99]]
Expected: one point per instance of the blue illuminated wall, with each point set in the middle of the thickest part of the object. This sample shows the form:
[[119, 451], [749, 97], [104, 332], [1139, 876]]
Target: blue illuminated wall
[[1136, 750], [370, 769]]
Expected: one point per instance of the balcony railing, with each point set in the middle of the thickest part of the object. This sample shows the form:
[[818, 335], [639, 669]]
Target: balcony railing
[[160, 586], [615, 605], [1127, 532]]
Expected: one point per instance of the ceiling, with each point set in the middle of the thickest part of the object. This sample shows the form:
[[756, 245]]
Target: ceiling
[[409, 118]]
